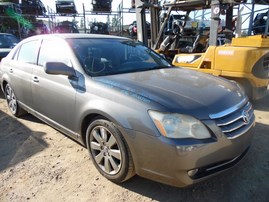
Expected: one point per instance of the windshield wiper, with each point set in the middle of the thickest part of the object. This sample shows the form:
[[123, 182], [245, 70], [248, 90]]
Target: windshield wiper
[[132, 71], [147, 69]]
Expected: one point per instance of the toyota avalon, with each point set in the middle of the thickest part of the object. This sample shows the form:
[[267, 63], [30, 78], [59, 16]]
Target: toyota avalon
[[134, 112]]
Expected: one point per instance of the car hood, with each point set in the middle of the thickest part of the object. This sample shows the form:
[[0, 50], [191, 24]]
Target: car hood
[[178, 90]]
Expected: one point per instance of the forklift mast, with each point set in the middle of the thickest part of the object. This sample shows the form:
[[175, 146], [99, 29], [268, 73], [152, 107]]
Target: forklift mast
[[157, 28], [244, 59]]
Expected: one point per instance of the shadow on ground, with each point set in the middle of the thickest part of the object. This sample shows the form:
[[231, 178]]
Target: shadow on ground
[[17, 142]]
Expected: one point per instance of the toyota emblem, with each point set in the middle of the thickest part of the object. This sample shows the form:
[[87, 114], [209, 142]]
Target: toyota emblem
[[245, 116]]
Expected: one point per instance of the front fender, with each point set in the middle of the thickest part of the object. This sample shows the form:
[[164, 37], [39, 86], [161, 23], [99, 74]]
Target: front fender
[[132, 118]]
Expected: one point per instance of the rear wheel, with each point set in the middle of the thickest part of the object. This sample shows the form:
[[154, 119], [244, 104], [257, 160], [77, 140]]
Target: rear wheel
[[12, 102], [109, 151]]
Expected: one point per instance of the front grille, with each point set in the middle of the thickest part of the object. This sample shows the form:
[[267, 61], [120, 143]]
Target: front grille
[[237, 122]]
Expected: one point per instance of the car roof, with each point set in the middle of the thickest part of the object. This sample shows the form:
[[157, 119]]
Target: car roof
[[74, 36]]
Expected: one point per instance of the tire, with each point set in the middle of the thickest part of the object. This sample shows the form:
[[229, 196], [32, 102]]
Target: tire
[[12, 102], [109, 151]]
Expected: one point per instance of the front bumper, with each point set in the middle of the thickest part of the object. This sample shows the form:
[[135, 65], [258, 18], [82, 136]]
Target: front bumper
[[184, 162]]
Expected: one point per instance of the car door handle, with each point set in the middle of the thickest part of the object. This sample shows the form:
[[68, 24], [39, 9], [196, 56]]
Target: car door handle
[[10, 70], [35, 79]]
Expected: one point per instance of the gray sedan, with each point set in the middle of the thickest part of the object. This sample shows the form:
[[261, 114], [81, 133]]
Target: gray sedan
[[135, 112]]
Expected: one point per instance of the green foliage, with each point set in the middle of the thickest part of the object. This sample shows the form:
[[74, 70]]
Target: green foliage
[[21, 20]]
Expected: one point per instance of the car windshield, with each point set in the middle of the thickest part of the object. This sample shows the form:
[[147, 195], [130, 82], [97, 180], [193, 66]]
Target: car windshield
[[8, 41], [100, 57]]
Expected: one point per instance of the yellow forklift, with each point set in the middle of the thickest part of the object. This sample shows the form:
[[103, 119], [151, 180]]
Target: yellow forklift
[[244, 59]]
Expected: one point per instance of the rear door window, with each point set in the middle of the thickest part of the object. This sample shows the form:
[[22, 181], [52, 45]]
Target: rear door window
[[28, 52]]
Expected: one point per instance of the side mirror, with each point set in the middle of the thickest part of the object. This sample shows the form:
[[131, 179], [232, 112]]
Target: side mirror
[[58, 68]]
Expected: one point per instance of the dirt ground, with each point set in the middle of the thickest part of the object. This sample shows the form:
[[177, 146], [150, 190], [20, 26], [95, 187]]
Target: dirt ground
[[37, 163]]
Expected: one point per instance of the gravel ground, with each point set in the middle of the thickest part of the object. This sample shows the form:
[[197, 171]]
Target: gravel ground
[[37, 163]]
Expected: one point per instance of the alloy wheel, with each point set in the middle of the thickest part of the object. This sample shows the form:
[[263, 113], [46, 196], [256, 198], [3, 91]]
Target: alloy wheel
[[11, 100], [105, 150]]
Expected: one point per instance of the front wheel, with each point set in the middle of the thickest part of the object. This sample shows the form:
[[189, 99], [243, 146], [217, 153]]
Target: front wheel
[[109, 151], [12, 102]]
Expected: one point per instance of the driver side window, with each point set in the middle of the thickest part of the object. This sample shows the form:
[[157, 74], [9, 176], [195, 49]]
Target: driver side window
[[54, 51]]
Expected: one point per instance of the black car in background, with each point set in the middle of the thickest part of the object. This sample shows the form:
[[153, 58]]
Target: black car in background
[[32, 7], [7, 42], [259, 23], [66, 27], [101, 5], [66, 7], [99, 28]]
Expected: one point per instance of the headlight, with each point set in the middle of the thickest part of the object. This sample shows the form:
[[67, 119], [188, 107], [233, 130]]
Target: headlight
[[179, 126]]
